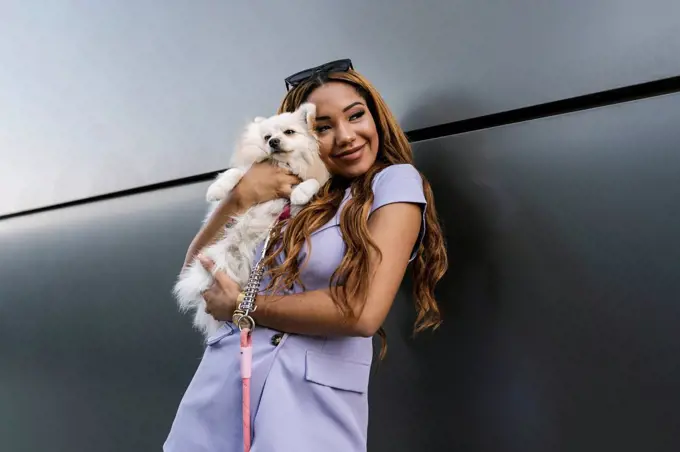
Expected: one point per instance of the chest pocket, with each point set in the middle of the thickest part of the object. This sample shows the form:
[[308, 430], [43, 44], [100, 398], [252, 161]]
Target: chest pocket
[[323, 254], [327, 370]]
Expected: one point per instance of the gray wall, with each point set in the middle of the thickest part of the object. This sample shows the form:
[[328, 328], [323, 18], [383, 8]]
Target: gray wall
[[103, 96], [561, 308], [561, 303]]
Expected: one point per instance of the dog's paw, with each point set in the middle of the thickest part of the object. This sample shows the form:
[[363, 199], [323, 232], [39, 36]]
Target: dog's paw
[[304, 192], [224, 184]]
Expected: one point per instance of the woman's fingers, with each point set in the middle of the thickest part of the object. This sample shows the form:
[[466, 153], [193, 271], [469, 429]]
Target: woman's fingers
[[206, 262], [287, 181], [292, 179], [208, 296], [285, 190], [264, 182], [285, 174], [224, 281]]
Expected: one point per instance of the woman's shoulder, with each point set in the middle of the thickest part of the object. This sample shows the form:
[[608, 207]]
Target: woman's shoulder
[[396, 171], [398, 183]]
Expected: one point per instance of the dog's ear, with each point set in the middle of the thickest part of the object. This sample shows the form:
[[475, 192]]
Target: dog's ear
[[259, 119], [308, 112]]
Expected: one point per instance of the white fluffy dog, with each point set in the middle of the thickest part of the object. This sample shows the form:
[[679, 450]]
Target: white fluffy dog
[[288, 141]]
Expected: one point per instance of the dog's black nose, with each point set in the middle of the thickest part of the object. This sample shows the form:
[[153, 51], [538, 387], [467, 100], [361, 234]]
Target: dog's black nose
[[274, 143]]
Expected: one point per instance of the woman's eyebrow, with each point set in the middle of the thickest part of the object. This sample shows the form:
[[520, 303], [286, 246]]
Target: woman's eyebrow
[[327, 118], [351, 105]]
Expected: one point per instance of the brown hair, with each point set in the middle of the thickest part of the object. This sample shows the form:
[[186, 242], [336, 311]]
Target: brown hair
[[353, 273]]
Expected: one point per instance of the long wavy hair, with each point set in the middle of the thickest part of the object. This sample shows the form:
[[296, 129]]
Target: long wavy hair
[[350, 281]]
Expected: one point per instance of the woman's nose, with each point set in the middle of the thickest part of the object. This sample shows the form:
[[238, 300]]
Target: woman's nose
[[344, 135]]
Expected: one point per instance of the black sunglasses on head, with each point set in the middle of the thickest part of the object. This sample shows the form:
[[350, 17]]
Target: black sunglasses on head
[[333, 66]]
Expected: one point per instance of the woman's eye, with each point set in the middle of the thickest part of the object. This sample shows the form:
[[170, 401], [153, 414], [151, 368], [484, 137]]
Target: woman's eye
[[357, 115], [322, 129], [289, 132], [267, 137]]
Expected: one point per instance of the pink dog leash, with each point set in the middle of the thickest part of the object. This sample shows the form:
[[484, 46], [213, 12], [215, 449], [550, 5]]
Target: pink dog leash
[[246, 325], [246, 368]]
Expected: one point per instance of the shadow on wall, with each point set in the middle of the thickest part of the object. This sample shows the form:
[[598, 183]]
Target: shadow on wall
[[469, 208], [437, 375]]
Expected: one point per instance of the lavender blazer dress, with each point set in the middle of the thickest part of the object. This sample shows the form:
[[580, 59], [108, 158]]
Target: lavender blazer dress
[[308, 394]]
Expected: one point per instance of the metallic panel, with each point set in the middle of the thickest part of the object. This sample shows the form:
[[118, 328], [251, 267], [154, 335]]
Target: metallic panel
[[97, 97], [93, 354], [561, 307]]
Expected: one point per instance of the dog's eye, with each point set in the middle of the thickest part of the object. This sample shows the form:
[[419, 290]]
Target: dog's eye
[[267, 137], [289, 132]]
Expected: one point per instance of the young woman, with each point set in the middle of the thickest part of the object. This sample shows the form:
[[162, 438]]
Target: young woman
[[340, 261]]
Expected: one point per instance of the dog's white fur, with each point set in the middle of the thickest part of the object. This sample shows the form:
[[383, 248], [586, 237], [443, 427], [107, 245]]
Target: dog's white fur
[[298, 151]]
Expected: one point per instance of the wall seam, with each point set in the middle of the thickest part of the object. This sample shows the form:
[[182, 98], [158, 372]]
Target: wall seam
[[564, 106]]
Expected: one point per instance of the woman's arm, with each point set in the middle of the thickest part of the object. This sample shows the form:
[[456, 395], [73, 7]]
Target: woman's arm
[[226, 209], [261, 183], [394, 228]]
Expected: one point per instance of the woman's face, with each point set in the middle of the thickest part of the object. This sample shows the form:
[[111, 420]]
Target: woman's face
[[348, 137]]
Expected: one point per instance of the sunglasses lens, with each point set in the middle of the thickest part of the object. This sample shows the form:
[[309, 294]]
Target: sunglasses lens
[[296, 79], [334, 66], [337, 66]]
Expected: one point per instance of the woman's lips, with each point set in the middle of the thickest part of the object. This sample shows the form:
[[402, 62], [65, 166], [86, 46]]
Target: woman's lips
[[351, 154]]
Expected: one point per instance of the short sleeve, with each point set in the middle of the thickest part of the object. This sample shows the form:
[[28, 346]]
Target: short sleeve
[[400, 183]]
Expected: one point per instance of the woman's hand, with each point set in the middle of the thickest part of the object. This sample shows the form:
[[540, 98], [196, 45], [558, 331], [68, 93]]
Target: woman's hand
[[220, 298], [264, 182]]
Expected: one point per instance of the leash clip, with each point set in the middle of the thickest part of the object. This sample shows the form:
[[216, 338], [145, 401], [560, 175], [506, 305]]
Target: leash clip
[[243, 319]]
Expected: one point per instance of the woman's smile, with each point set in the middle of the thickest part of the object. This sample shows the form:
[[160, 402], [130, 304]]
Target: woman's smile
[[352, 154]]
